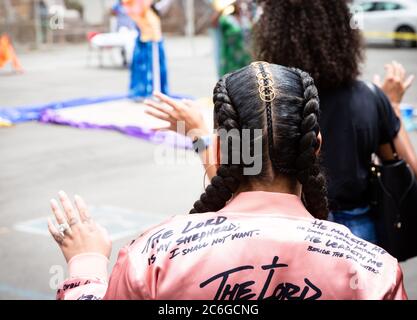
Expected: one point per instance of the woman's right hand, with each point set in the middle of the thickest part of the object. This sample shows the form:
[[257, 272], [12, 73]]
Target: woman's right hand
[[395, 83]]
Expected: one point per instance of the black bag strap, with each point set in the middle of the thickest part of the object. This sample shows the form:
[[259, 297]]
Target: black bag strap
[[384, 116]]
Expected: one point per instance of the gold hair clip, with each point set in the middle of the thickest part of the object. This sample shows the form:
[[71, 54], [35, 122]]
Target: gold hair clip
[[266, 82]]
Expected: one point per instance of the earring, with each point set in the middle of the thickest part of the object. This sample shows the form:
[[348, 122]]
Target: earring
[[205, 176]]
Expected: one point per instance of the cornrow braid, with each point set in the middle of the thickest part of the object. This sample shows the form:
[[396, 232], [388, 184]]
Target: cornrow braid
[[307, 162], [268, 95], [229, 176]]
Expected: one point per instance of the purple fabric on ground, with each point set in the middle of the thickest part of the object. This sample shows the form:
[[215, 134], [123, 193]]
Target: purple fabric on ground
[[158, 137], [32, 113]]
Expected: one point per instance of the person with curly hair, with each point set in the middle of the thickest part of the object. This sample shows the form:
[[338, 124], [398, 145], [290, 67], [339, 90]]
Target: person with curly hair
[[319, 37], [256, 227]]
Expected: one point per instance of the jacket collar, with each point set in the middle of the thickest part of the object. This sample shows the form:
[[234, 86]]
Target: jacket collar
[[260, 202]]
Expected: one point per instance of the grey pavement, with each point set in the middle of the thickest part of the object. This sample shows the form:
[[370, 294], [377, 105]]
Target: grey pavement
[[115, 174]]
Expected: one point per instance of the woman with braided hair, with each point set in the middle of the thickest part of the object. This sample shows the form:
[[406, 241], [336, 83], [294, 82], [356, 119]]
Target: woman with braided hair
[[283, 159], [257, 230]]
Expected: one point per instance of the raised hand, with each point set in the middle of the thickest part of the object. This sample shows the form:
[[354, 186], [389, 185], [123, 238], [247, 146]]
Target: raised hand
[[175, 112], [76, 232], [396, 82]]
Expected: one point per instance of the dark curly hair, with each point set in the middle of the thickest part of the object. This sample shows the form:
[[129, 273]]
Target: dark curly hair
[[313, 35], [289, 134]]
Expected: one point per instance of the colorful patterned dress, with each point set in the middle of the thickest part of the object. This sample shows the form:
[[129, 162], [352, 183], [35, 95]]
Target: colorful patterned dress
[[234, 52], [148, 68]]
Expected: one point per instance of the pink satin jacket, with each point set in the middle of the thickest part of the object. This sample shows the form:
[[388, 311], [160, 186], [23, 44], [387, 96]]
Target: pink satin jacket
[[260, 246]]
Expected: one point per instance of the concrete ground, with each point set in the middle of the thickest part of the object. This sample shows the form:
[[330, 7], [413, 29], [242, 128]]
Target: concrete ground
[[115, 174]]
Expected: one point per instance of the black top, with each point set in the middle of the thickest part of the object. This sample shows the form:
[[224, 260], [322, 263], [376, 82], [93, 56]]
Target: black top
[[352, 126]]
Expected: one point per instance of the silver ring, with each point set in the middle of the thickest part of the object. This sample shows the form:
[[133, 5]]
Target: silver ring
[[63, 227]]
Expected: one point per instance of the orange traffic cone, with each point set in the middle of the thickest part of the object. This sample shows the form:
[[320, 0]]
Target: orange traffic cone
[[8, 54]]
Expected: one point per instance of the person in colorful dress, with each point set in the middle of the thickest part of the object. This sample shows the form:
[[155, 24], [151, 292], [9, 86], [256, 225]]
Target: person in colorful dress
[[232, 29], [148, 68]]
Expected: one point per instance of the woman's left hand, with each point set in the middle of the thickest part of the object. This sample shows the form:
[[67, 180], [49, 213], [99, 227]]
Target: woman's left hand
[[77, 232], [176, 112]]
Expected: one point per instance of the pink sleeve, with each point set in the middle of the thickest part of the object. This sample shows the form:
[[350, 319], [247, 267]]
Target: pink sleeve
[[398, 291], [134, 276], [87, 278], [129, 278]]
